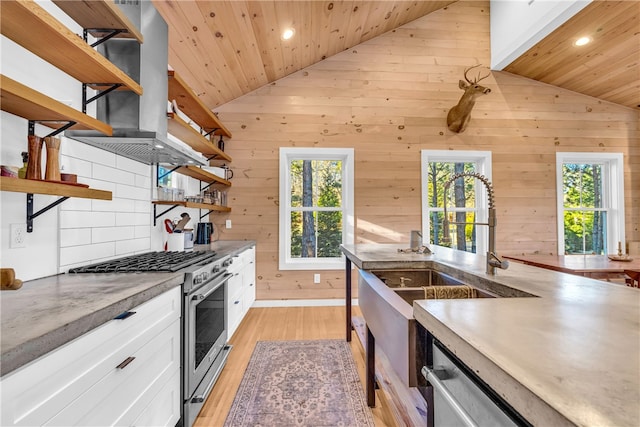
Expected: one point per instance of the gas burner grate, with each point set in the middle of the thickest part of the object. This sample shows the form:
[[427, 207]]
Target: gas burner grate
[[147, 262]]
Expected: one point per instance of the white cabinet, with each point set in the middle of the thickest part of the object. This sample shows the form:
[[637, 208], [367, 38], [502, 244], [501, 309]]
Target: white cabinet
[[124, 372], [241, 288]]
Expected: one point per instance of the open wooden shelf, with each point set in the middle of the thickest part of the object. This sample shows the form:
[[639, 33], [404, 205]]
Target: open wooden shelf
[[36, 30], [187, 134], [194, 205], [27, 103], [202, 175], [193, 107], [96, 15], [51, 188]]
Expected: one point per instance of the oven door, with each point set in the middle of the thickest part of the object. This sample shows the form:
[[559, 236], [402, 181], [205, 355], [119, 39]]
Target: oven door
[[205, 333]]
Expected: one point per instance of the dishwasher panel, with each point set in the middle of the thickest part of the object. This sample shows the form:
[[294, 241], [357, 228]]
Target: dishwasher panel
[[460, 400]]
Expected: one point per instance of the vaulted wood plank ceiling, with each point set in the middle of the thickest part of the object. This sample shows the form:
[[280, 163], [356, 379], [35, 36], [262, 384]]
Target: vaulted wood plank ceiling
[[607, 68], [225, 49]]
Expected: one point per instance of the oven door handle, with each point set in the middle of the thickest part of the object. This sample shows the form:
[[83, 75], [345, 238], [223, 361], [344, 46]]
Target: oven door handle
[[220, 279], [439, 387]]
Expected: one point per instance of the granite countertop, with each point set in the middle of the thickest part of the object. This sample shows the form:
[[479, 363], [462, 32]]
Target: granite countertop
[[568, 356], [49, 312]]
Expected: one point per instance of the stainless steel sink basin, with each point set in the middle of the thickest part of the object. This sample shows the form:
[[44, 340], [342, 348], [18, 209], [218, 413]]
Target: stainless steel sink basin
[[386, 300], [410, 284], [415, 278]]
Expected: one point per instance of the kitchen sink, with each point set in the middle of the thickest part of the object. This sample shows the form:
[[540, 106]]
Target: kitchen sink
[[411, 285], [386, 300]]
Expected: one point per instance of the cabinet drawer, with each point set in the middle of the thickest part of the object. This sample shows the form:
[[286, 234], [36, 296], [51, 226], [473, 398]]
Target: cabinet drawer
[[122, 395], [237, 264], [249, 297], [36, 392], [234, 314], [234, 285], [164, 409]]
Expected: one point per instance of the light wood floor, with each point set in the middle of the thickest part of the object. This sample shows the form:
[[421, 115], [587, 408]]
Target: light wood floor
[[282, 323]]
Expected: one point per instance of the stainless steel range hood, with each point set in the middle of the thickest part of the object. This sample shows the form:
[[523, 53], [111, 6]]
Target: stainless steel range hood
[[139, 122]]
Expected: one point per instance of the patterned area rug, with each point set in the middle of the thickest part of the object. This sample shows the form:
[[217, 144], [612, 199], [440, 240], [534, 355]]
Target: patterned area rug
[[300, 383]]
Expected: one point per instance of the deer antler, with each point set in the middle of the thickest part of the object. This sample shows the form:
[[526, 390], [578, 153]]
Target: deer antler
[[478, 78]]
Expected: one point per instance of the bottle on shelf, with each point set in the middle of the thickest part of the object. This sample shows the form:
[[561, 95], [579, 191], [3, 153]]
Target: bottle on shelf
[[22, 172]]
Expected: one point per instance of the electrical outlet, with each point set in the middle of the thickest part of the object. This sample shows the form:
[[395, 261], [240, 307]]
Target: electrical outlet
[[228, 223], [18, 236], [316, 278]]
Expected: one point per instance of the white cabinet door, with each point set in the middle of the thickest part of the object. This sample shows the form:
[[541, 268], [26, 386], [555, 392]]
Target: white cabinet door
[[37, 392], [249, 279], [234, 303], [164, 409], [121, 396]]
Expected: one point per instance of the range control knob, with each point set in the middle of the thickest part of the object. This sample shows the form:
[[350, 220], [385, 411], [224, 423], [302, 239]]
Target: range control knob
[[227, 262]]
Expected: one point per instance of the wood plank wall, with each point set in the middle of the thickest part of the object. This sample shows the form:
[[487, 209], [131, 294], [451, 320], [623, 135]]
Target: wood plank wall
[[388, 98]]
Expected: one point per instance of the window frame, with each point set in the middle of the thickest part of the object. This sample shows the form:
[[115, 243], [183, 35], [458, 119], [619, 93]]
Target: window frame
[[288, 154], [483, 161], [614, 193]]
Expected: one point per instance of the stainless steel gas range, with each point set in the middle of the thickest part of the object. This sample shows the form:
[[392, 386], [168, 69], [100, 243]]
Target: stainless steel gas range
[[204, 325]]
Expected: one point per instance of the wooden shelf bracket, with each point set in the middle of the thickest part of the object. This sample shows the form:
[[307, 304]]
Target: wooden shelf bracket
[[31, 215]]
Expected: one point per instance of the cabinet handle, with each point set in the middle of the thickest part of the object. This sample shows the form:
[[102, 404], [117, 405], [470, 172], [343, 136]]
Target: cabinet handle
[[444, 392], [125, 362], [237, 302], [250, 284], [124, 315]]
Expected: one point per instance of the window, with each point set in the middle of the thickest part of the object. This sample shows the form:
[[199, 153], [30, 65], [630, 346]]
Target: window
[[316, 207], [590, 190], [466, 199]]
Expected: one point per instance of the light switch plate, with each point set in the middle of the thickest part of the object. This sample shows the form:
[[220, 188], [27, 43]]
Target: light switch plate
[[316, 278], [228, 223]]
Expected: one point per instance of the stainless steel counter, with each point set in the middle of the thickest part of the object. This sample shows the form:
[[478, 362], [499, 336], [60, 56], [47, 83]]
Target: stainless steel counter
[[569, 357]]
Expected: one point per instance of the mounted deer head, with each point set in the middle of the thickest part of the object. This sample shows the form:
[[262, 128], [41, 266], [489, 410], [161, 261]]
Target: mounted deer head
[[459, 115]]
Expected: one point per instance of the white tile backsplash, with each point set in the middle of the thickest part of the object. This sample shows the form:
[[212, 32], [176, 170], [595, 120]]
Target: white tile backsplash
[[132, 192], [95, 230], [123, 219], [125, 247], [137, 168], [86, 219], [111, 234], [90, 153], [110, 174], [75, 237], [86, 253], [141, 231], [142, 206], [76, 204], [114, 205]]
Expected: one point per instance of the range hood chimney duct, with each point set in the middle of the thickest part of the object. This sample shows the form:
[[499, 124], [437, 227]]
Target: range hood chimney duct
[[139, 122]]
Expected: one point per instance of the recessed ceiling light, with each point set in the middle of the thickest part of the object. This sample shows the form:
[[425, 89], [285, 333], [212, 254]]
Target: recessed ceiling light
[[582, 41], [288, 33]]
